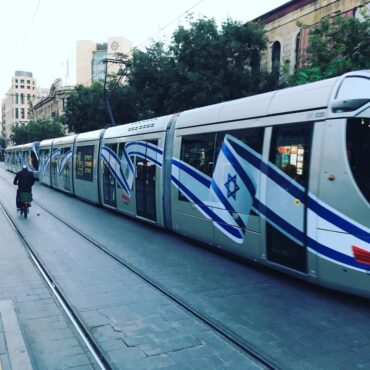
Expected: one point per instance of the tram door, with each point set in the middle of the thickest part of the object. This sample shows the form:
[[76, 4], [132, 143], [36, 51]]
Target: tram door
[[145, 187], [287, 195], [109, 182]]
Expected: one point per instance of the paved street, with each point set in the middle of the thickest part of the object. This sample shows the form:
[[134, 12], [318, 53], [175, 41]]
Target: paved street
[[296, 325]]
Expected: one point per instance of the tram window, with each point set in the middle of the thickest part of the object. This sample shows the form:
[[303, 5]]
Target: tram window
[[65, 175], [289, 150], [354, 88], [109, 181], [358, 152], [34, 160], [198, 151], [85, 162], [44, 153], [253, 137]]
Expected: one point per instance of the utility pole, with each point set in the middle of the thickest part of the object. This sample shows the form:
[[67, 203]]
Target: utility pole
[[124, 64]]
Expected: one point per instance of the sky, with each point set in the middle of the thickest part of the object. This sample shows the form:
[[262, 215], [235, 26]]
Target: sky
[[39, 36]]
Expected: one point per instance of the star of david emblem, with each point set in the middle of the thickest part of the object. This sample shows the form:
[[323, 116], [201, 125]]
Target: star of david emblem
[[231, 186], [127, 172]]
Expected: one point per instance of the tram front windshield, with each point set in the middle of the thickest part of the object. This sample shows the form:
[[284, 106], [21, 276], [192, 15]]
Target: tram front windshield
[[358, 151]]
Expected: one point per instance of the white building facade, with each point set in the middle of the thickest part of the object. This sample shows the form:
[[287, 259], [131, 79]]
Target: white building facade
[[15, 105], [90, 55]]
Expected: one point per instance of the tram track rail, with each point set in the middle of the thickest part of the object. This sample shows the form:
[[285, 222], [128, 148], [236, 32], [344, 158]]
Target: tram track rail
[[225, 332], [84, 334], [228, 334]]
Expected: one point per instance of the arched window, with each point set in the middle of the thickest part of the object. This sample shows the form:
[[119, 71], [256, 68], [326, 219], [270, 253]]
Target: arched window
[[297, 50], [275, 59]]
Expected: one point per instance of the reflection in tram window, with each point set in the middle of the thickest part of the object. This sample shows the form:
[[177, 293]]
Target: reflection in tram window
[[289, 151], [34, 161], [253, 137], [65, 179], [145, 186], [358, 151], [198, 151], [85, 162]]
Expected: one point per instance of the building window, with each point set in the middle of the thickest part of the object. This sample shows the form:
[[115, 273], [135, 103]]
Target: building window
[[22, 113], [275, 59], [97, 65], [16, 98], [22, 86], [22, 81], [297, 50], [22, 98], [28, 81], [16, 113]]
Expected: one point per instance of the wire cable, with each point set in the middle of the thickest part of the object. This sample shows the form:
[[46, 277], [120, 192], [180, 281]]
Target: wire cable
[[32, 19], [170, 23]]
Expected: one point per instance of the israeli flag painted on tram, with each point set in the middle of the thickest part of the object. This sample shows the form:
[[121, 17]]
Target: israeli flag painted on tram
[[227, 197], [233, 188], [64, 160], [123, 168]]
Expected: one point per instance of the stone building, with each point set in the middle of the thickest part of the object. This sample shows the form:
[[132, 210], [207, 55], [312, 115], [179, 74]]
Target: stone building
[[52, 105], [288, 38]]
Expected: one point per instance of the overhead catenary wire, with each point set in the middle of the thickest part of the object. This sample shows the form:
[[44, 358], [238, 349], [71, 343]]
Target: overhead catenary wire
[[170, 23], [32, 19], [90, 80]]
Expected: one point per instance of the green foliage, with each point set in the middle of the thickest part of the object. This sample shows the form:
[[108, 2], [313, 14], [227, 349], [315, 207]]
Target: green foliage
[[337, 45], [212, 65], [85, 109], [36, 131], [202, 65]]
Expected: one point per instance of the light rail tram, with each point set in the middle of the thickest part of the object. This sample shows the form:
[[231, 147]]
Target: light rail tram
[[281, 178]]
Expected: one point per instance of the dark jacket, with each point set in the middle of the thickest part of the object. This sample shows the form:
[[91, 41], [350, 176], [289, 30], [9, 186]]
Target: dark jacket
[[24, 179]]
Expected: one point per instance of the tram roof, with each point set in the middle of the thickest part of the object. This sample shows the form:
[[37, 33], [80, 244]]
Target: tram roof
[[311, 96], [88, 136], [138, 128]]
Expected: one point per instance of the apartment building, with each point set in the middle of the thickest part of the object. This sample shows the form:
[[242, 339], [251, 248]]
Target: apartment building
[[90, 56], [16, 102]]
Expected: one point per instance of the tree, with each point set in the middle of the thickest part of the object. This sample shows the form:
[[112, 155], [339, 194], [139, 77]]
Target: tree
[[85, 109], [2, 142], [212, 65], [337, 45], [36, 131], [202, 65]]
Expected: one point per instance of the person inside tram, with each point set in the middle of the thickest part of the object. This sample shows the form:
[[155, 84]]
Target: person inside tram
[[25, 180]]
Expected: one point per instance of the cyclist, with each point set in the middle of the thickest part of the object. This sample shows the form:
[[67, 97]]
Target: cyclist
[[24, 179]]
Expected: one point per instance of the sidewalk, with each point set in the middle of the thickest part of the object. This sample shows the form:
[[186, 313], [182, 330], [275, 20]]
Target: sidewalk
[[34, 333]]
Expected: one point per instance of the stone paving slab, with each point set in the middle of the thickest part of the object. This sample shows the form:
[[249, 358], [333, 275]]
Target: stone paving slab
[[34, 331], [283, 316], [129, 319], [12, 342]]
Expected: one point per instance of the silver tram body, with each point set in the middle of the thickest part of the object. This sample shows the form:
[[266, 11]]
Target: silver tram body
[[281, 178], [26, 154]]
